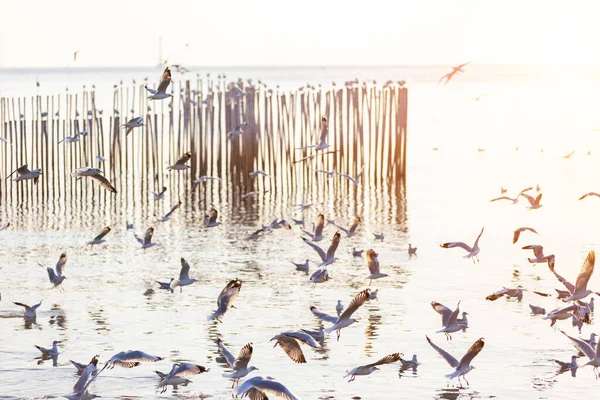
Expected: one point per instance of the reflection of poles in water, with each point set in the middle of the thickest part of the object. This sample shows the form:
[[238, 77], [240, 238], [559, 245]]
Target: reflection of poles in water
[[448, 394], [372, 327], [100, 320], [59, 317]]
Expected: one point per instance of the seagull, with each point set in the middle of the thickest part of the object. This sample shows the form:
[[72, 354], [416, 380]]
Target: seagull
[[56, 278], [301, 267], [130, 359], [373, 264], [322, 145], [588, 351], [203, 179], [379, 236], [329, 257], [535, 310], [567, 365], [517, 292], [354, 180], [240, 364], [356, 253], [94, 173], [352, 230], [580, 291], [412, 363], [514, 200], [472, 251], [344, 319], [538, 252], [258, 388], [259, 172], [253, 193], [29, 311], [523, 229], [24, 173], [166, 217], [133, 123], [178, 371], [303, 207], [184, 277], [80, 390], [412, 251], [166, 285], [73, 139], [317, 235], [160, 195], [534, 203], [589, 194], [319, 276], [463, 367], [582, 313], [288, 341], [339, 308], [181, 165], [99, 239], [100, 159], [226, 298], [160, 93], [455, 70], [80, 367], [369, 368], [49, 352], [146, 242], [237, 130], [211, 221], [449, 319], [330, 174], [569, 155]]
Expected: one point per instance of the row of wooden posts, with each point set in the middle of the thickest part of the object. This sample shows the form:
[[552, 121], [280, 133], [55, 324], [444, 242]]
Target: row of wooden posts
[[367, 129]]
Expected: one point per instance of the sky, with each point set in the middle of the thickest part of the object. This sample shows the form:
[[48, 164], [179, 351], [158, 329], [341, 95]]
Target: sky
[[45, 33]]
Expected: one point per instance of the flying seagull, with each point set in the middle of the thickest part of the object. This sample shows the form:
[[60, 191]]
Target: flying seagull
[[344, 319], [455, 70], [534, 203], [354, 180], [472, 251], [147, 240], [133, 123], [226, 298], [160, 195], [130, 359], [237, 130], [94, 173], [352, 230], [288, 341], [373, 265], [322, 145], [80, 390], [161, 92], [179, 371], [258, 388], [29, 311], [369, 368], [240, 364], [588, 351], [56, 278], [449, 319], [204, 179], [100, 238], [180, 164], [523, 229], [166, 217], [184, 277], [579, 291], [329, 257], [317, 234], [464, 366], [23, 173], [211, 220], [589, 194]]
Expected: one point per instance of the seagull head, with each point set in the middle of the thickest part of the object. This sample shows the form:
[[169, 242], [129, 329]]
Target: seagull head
[[252, 368]]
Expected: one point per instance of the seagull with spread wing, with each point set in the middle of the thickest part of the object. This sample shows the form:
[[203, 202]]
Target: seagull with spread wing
[[94, 173], [590, 194], [23, 173], [579, 291], [344, 320], [369, 368], [354, 180], [180, 164], [352, 230], [100, 238], [146, 241], [464, 366], [317, 234], [237, 130], [514, 200], [329, 257], [373, 265], [450, 322], [589, 352], [534, 202], [210, 220], [322, 145], [29, 311], [240, 364], [178, 371], [133, 123], [518, 232], [160, 195], [80, 390], [57, 277], [289, 342], [258, 388], [226, 298], [161, 92], [472, 251], [130, 359], [166, 217], [204, 179], [184, 277], [539, 257], [455, 70]]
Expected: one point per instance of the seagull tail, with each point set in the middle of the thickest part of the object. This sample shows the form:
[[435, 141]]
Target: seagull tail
[[214, 315], [453, 375], [330, 329]]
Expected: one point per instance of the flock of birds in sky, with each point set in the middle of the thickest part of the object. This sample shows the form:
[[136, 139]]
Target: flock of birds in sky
[[292, 341]]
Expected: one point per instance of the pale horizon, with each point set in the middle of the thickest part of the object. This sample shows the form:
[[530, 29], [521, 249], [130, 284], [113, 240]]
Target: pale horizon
[[262, 33]]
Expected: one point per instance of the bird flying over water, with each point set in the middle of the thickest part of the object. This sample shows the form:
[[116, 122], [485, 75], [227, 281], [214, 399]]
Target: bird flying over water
[[455, 70], [289, 342], [450, 322], [464, 366], [184, 277], [180, 165], [258, 388], [133, 123], [161, 92], [322, 145], [166, 217], [29, 311], [100, 238], [472, 251], [178, 371], [147, 240], [94, 173], [57, 277], [369, 368], [23, 173], [238, 364], [517, 233], [226, 298]]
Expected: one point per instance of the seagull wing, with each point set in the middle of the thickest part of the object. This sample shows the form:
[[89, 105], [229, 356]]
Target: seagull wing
[[148, 236], [454, 315], [21, 170], [213, 216], [27, 308], [137, 356], [82, 382], [356, 302], [471, 353], [341, 228], [230, 358], [322, 316], [104, 232], [497, 295], [291, 348], [319, 250], [444, 311], [242, 360], [152, 91], [502, 198], [187, 369], [266, 386], [104, 183], [184, 158], [450, 245], [60, 265], [348, 177], [184, 273], [582, 346], [529, 198], [449, 359], [389, 359], [304, 338], [320, 224], [372, 262], [51, 274], [324, 130], [335, 242], [562, 280], [586, 272], [165, 80], [589, 194], [175, 207]]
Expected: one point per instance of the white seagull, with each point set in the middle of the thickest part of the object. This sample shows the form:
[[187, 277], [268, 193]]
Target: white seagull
[[589, 194], [579, 291], [133, 123], [94, 173], [203, 179], [166, 217], [589, 352], [538, 252], [53, 351], [369, 368], [237, 130], [130, 359], [288, 341], [464, 366], [449, 319], [225, 300], [258, 388], [80, 390], [534, 203], [160, 195], [259, 172], [352, 230], [210, 220], [23, 173], [472, 251], [179, 371], [514, 200], [329, 257], [29, 311], [146, 242], [240, 364], [344, 320], [100, 238], [317, 234], [56, 278], [160, 93], [184, 277], [354, 180], [180, 164], [373, 264], [322, 145], [517, 233]]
